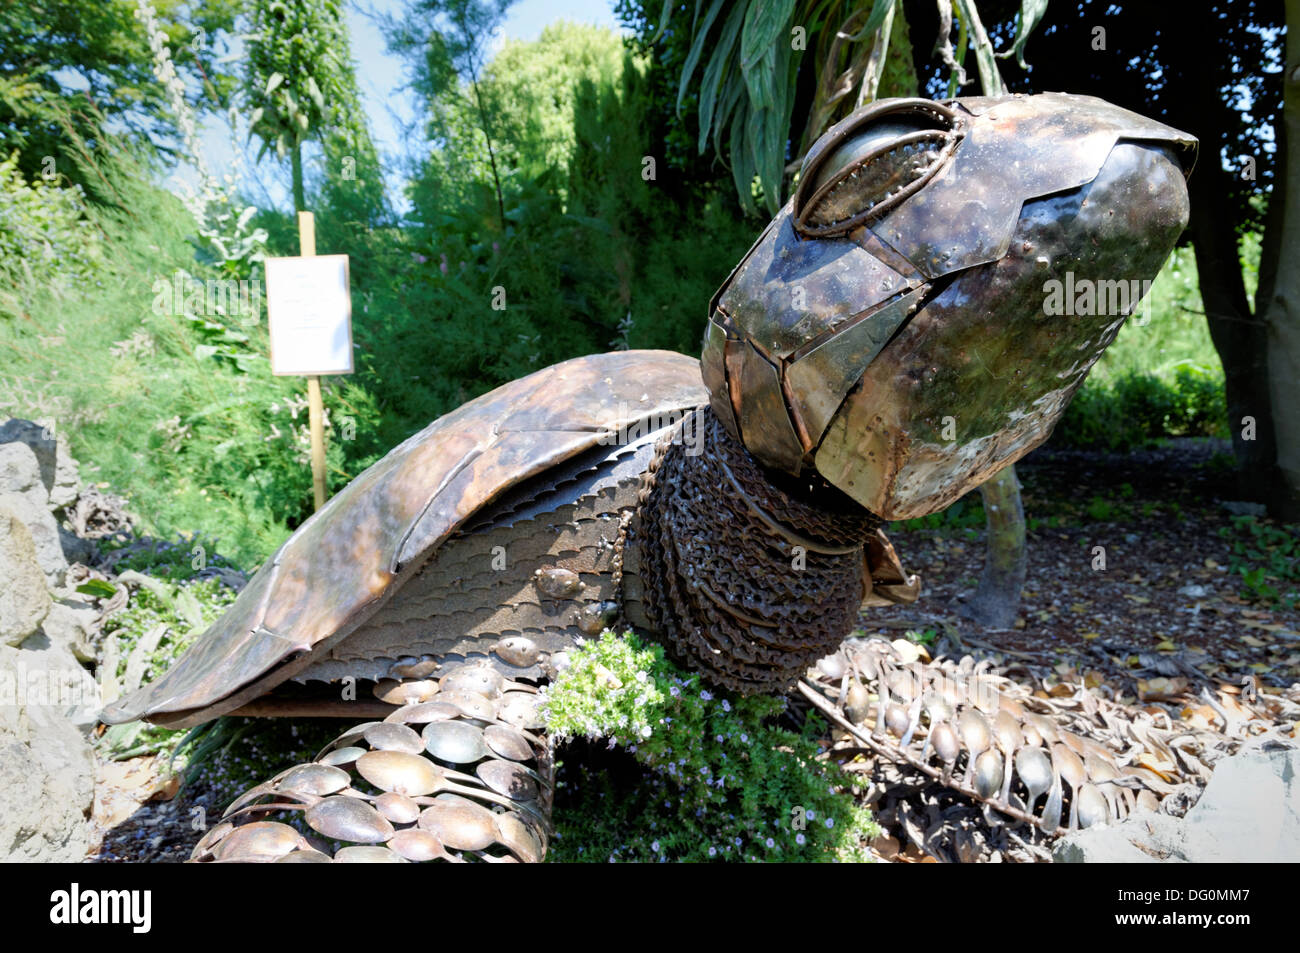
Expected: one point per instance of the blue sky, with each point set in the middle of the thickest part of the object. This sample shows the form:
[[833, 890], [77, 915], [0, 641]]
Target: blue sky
[[381, 78]]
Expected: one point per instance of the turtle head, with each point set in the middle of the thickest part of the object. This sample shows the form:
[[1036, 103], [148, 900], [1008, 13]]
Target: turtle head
[[922, 310]]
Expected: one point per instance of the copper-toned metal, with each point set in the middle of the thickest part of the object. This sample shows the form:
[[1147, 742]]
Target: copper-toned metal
[[418, 845], [392, 737], [400, 772], [986, 201], [316, 779], [347, 818], [458, 823], [398, 808], [357, 551], [517, 650], [305, 857], [266, 840], [508, 778], [507, 743], [455, 742], [889, 342], [368, 855]]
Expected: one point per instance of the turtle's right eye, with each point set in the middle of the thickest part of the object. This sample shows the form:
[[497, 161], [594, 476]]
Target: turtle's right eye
[[871, 163]]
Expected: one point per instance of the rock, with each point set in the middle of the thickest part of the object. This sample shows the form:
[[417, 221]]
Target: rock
[[58, 471], [70, 625], [20, 472], [1193, 591], [1249, 812], [47, 776], [1245, 508], [77, 550], [24, 601], [66, 688], [44, 532]]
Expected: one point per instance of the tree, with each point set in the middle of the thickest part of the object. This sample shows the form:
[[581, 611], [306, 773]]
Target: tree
[[1282, 308], [68, 67], [300, 85], [446, 40], [532, 90], [1214, 70], [769, 77]]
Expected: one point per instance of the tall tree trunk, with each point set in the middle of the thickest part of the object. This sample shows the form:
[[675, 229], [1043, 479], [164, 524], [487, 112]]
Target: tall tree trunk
[[997, 599], [1239, 337], [492, 156], [295, 159], [1282, 309]]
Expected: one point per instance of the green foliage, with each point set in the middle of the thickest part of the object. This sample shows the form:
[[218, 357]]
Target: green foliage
[[747, 61], [1267, 557], [185, 609], [724, 783], [165, 559], [966, 513], [1140, 408], [529, 92], [229, 755], [926, 637], [46, 240], [172, 606], [300, 84], [173, 401], [68, 68]]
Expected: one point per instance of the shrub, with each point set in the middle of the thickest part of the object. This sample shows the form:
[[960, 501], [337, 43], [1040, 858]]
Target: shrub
[[724, 782]]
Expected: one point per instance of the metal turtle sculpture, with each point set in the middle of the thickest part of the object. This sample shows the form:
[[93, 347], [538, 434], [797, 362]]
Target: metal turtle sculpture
[[882, 349]]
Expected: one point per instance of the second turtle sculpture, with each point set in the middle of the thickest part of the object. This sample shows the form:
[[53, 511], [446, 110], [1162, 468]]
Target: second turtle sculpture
[[884, 347]]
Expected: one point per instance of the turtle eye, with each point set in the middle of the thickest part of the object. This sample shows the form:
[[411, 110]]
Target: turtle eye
[[870, 163]]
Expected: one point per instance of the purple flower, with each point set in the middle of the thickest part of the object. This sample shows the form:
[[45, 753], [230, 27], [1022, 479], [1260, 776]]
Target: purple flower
[[799, 839], [770, 843], [726, 705], [418, 258], [706, 697]]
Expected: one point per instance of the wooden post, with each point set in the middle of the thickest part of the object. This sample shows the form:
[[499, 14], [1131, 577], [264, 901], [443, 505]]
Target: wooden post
[[315, 406]]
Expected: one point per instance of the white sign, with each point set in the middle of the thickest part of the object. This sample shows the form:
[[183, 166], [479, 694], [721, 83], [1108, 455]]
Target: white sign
[[309, 308]]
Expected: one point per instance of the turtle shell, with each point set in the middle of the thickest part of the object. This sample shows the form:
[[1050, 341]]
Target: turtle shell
[[358, 550]]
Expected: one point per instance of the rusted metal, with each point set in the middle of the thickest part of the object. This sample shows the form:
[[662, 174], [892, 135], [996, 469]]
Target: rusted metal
[[902, 293], [884, 346]]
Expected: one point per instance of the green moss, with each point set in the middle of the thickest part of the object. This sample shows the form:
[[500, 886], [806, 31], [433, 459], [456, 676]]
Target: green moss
[[713, 777]]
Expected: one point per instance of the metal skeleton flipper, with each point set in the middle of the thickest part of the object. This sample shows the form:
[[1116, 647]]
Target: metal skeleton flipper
[[461, 775], [533, 565], [1059, 762]]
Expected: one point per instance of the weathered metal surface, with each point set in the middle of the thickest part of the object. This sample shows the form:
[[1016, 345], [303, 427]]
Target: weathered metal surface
[[466, 793], [980, 375], [746, 581], [1070, 761], [884, 346], [965, 211], [335, 570]]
